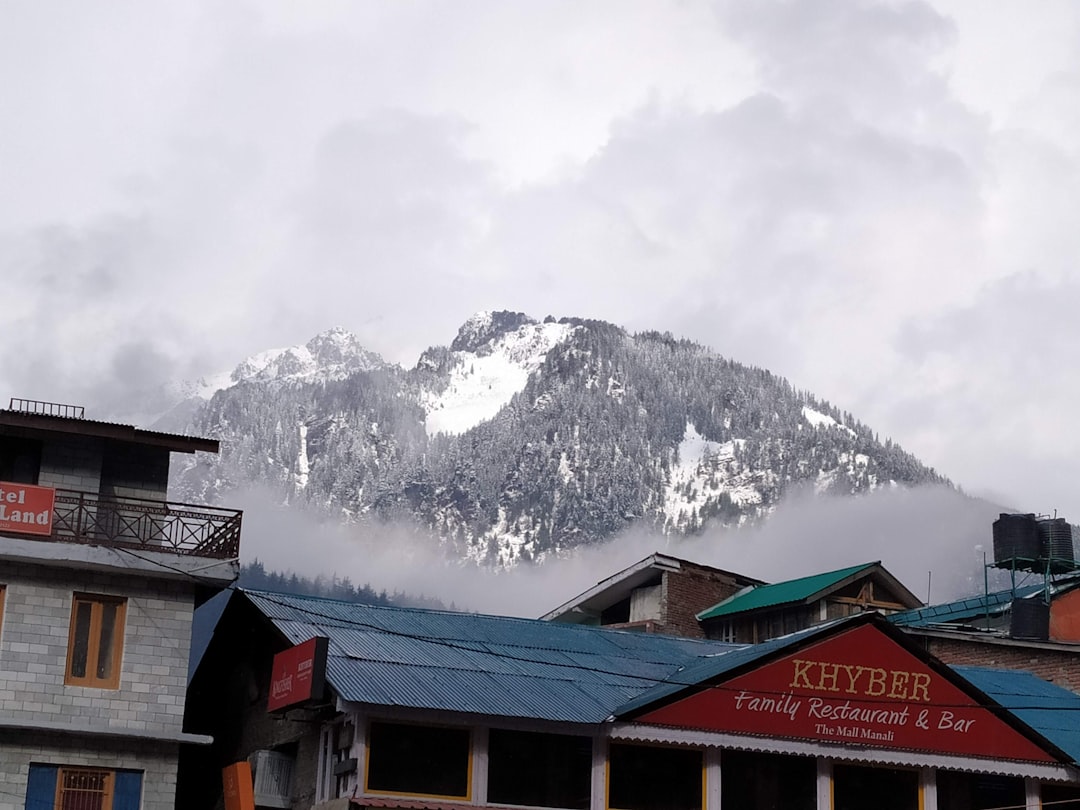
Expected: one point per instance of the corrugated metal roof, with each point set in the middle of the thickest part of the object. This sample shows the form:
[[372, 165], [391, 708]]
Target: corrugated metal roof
[[1050, 710], [480, 664], [781, 593], [975, 607], [701, 670], [525, 668], [962, 609]]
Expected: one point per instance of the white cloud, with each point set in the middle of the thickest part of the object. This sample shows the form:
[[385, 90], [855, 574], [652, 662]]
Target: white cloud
[[825, 190]]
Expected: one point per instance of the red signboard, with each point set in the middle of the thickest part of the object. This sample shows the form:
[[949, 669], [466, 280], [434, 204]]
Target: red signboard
[[859, 687], [26, 509], [298, 674]]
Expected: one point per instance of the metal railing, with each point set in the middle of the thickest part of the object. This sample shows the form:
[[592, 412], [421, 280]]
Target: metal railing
[[46, 408], [137, 523]]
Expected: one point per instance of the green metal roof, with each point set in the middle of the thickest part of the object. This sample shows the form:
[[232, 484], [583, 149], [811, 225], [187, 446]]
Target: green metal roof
[[782, 593]]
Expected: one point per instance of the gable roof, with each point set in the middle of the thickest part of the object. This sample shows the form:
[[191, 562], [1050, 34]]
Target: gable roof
[[802, 590], [467, 662], [618, 586], [1023, 700]]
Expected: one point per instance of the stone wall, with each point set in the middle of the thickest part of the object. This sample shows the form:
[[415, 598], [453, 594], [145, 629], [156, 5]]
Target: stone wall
[[34, 646], [157, 762]]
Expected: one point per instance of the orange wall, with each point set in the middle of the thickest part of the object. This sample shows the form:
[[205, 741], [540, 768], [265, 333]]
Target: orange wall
[[1065, 617]]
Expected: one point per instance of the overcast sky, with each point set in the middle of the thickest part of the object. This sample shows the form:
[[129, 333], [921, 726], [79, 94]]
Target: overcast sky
[[879, 201]]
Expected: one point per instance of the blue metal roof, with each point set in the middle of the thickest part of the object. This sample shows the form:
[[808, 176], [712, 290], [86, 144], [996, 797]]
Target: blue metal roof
[[525, 668], [701, 670], [962, 610], [466, 662], [1048, 709]]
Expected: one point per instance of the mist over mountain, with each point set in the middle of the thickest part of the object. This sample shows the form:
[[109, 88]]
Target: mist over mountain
[[524, 439]]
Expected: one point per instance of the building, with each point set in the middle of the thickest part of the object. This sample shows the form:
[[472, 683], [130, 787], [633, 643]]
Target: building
[[663, 594], [99, 577], [339, 705], [660, 594], [762, 612]]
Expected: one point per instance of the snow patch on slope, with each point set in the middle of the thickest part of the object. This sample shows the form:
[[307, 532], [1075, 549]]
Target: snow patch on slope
[[481, 384], [819, 419]]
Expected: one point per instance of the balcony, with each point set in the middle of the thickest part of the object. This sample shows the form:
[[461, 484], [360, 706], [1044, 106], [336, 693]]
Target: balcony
[[134, 523]]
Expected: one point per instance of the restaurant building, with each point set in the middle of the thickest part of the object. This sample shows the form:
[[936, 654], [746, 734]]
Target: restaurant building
[[429, 710], [99, 578]]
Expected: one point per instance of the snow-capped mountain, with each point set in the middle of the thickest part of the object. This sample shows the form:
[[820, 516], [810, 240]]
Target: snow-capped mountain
[[524, 438]]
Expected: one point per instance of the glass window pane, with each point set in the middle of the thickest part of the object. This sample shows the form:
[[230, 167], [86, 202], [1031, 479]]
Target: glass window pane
[[970, 791], [539, 770], [105, 643], [81, 645], [646, 778], [768, 781], [419, 759], [856, 788]]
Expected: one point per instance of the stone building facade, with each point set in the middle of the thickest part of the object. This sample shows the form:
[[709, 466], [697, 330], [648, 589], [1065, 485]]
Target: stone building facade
[[99, 579]]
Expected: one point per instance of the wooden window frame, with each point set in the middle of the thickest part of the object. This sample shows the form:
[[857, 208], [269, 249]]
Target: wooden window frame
[[106, 794], [97, 603]]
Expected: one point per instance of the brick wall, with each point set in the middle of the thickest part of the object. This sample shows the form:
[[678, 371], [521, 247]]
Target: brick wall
[[157, 762], [34, 643], [1051, 663], [689, 591]]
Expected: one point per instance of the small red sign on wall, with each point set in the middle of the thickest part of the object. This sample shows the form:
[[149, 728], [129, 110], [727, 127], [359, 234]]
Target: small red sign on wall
[[298, 674], [26, 509], [858, 687]]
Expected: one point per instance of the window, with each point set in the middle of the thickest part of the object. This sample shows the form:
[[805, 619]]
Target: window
[[539, 770], [95, 641], [63, 787], [423, 760], [645, 778], [335, 766], [977, 791], [750, 779], [20, 460], [856, 787]]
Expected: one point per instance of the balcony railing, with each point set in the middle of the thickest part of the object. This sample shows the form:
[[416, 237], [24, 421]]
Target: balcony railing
[[135, 523]]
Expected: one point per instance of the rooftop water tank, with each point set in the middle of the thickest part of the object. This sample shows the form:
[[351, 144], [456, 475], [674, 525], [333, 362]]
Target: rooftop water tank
[[1030, 619], [1056, 539], [1016, 537]]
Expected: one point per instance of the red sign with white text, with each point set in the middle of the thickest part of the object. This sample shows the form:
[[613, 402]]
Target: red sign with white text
[[298, 674], [857, 687], [26, 509]]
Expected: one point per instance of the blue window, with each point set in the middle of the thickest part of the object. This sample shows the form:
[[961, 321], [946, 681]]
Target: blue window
[[54, 787]]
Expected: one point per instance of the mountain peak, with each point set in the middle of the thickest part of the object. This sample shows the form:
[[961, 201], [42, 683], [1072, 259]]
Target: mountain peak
[[484, 328], [333, 354]]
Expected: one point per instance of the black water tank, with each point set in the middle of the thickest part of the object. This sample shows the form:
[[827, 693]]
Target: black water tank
[[1016, 536], [1030, 619], [1057, 545]]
